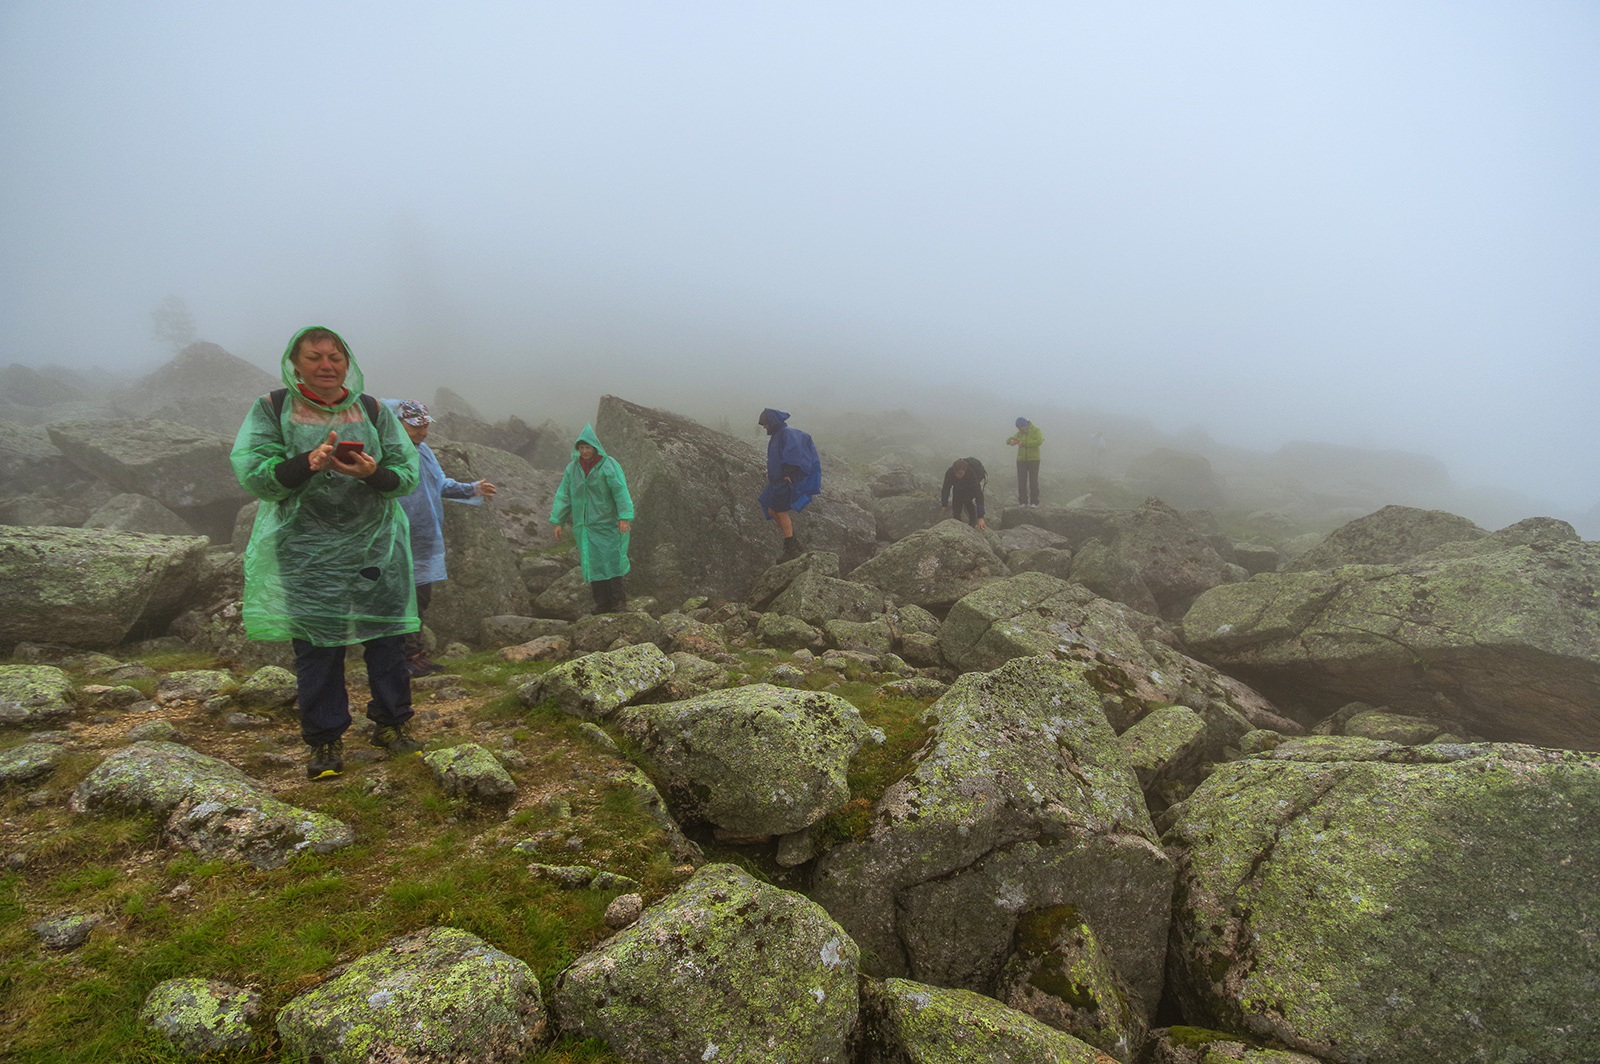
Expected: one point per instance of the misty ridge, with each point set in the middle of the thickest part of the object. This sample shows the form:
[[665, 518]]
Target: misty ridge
[[862, 417]]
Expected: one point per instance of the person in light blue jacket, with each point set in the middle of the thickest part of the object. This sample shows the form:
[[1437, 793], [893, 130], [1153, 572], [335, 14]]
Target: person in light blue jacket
[[425, 509]]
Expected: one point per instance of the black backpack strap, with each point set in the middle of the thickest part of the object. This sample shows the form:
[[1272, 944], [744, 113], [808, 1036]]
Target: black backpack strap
[[370, 405], [279, 395]]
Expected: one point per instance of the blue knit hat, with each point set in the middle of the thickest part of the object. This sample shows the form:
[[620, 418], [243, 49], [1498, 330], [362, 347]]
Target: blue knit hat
[[1022, 422]]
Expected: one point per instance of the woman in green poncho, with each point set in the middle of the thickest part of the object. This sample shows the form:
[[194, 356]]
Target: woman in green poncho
[[593, 498], [329, 561]]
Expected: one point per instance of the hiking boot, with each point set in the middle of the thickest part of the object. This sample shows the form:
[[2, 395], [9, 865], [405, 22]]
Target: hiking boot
[[327, 760], [419, 665], [396, 739], [791, 547]]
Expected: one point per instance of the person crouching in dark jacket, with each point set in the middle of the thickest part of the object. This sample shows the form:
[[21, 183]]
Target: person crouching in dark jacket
[[963, 490]]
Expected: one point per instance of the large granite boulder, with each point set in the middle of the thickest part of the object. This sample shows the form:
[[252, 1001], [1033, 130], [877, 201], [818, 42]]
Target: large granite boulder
[[1032, 614], [755, 760], [727, 969], [434, 996], [211, 807], [706, 533], [935, 567], [1505, 641], [900, 515], [1430, 904], [184, 468], [1019, 801], [92, 588], [777, 578], [483, 578], [913, 1023], [1174, 558], [1390, 536], [816, 599], [522, 507]]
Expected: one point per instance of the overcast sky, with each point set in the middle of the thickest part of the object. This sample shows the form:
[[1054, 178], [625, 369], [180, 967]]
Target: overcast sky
[[1367, 223]]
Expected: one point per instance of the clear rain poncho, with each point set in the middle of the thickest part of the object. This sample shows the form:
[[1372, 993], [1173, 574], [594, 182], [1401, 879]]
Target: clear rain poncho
[[594, 502], [329, 561]]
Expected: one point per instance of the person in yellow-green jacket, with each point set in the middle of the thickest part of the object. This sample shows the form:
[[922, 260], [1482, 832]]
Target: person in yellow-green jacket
[[1027, 441], [329, 560], [593, 498]]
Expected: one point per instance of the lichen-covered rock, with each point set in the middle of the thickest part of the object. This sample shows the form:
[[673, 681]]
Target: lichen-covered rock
[[727, 969], [597, 685], [1019, 801], [567, 599], [783, 632], [757, 760], [817, 599], [1052, 561], [211, 807], [692, 676], [92, 587], [771, 583], [471, 771], [934, 567], [912, 1023], [1392, 727], [1196, 1045], [32, 694], [28, 762], [898, 516], [539, 648], [106, 696], [871, 637], [1429, 904], [601, 631], [510, 629], [1390, 536], [1164, 744], [484, 581], [154, 731], [1174, 559], [1033, 614], [192, 685], [64, 930], [1506, 641], [268, 687], [685, 635], [199, 1016], [580, 877], [435, 996], [1061, 975]]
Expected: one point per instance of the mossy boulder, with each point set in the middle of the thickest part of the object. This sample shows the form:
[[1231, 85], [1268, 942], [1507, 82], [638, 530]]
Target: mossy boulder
[[198, 1016], [1166, 744], [936, 566], [597, 685], [912, 1023], [817, 599], [1020, 800], [1061, 975], [601, 631], [92, 587], [756, 760], [783, 632], [28, 762], [33, 694], [1196, 1045], [1428, 904], [870, 637], [211, 807], [471, 771], [193, 685], [269, 687], [435, 996], [1033, 614], [1506, 641], [771, 583], [1390, 536], [728, 970], [1392, 727]]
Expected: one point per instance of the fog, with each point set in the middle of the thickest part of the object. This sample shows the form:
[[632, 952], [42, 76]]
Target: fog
[[1371, 224]]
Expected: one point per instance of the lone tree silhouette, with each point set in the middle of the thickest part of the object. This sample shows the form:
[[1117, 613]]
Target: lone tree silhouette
[[173, 323]]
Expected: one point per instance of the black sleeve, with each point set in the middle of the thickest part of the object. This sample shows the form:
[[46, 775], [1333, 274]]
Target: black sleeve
[[293, 472], [949, 483], [383, 480]]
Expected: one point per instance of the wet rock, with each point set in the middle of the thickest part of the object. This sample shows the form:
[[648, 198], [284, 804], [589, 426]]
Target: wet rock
[[775, 579], [624, 910], [933, 568], [138, 513], [912, 1023], [1390, 536], [64, 930], [471, 771], [726, 969], [211, 807], [434, 996], [602, 630], [1019, 801], [1378, 908], [757, 760], [540, 648], [269, 687], [198, 1016], [783, 632], [1060, 974], [33, 694], [596, 685], [92, 587], [817, 599], [28, 762]]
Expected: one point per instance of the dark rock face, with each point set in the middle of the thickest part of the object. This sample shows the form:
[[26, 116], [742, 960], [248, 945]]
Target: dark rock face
[[1505, 641], [1392, 535], [705, 530], [483, 578]]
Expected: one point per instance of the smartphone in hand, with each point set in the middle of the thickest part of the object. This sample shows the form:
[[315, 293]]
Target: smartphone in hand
[[348, 449]]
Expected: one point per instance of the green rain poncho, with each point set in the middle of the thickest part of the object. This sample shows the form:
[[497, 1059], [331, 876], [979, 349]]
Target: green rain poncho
[[593, 503], [329, 561]]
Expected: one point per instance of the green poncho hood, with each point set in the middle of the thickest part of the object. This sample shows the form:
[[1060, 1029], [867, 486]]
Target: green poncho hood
[[353, 380], [588, 436]]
